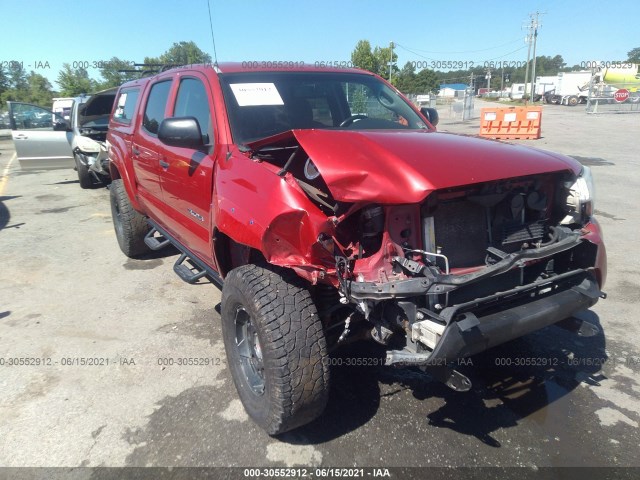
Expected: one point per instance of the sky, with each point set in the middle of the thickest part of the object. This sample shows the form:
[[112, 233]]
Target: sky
[[41, 32]]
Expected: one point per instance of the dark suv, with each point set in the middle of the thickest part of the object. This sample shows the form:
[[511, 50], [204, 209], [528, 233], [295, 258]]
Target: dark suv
[[328, 208]]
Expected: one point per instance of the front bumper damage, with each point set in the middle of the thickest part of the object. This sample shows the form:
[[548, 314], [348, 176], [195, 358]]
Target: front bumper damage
[[472, 326], [96, 162]]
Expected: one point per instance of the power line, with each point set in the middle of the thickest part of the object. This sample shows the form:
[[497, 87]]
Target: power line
[[466, 51], [436, 60]]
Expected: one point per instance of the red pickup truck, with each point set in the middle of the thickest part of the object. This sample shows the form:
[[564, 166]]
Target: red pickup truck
[[328, 208]]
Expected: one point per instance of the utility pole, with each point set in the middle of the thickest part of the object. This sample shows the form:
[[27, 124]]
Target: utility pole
[[535, 38], [488, 77], [532, 37], [526, 71], [471, 82], [501, 80]]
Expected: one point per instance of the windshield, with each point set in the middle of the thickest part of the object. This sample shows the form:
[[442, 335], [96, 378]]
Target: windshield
[[262, 104]]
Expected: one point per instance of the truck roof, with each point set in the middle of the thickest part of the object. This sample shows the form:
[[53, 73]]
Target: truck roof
[[245, 67]]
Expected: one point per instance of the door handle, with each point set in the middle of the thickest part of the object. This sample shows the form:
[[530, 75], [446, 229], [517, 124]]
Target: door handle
[[20, 136], [164, 164], [135, 151]]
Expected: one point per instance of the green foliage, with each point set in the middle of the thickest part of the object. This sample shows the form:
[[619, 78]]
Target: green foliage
[[634, 55], [181, 53], [112, 77], [18, 86], [74, 81], [39, 91], [376, 60], [425, 81], [17, 76], [362, 56], [4, 82]]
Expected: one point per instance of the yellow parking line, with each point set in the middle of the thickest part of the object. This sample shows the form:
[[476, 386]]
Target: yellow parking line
[[5, 175]]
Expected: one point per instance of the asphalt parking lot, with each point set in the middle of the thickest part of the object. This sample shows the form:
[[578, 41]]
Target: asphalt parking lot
[[67, 293]]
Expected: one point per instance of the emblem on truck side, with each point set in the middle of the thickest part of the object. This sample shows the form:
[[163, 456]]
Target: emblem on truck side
[[195, 214]]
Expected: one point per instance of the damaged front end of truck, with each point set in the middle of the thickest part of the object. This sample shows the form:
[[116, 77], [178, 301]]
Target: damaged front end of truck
[[441, 246]]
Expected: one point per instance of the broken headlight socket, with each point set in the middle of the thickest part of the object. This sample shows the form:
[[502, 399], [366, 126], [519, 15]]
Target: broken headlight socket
[[581, 196]]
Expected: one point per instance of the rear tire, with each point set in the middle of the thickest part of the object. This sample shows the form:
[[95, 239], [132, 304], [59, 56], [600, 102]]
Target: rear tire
[[83, 174], [572, 101], [275, 345], [130, 226]]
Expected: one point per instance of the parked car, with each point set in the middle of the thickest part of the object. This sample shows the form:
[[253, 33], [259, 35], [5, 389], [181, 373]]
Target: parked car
[[89, 121], [328, 209], [40, 142]]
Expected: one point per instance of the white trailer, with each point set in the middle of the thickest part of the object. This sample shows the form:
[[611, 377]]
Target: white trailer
[[572, 88], [517, 91], [546, 84], [62, 107]]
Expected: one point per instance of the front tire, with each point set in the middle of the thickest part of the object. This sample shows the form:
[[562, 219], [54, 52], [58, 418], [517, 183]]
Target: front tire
[[275, 345], [83, 174], [130, 226]]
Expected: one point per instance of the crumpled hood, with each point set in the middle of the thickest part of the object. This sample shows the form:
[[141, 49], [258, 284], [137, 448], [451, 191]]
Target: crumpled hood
[[395, 166]]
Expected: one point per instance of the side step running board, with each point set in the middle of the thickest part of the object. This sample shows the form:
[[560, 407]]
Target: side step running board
[[190, 272], [188, 266], [156, 243]]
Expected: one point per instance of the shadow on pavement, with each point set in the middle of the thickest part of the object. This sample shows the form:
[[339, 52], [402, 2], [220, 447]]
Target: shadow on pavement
[[5, 215]]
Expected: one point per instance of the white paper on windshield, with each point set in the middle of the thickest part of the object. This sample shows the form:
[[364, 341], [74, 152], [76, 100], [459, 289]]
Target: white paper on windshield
[[253, 94]]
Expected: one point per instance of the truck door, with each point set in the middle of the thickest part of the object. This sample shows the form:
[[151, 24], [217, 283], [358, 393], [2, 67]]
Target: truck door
[[187, 175], [145, 148], [41, 137]]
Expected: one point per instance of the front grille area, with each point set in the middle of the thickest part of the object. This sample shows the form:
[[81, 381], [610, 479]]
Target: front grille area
[[461, 232], [518, 233], [505, 215]]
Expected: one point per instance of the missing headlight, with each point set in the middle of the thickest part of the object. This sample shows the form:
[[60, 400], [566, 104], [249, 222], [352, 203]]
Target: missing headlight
[[580, 199]]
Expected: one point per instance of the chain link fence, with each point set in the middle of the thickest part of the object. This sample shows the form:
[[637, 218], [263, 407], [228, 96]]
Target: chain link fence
[[619, 98], [459, 107]]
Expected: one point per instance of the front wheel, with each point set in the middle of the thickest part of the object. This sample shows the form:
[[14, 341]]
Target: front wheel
[[275, 345], [130, 226], [84, 176]]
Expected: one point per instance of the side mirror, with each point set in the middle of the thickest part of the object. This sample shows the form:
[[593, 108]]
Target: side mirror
[[181, 132], [61, 126], [431, 114]]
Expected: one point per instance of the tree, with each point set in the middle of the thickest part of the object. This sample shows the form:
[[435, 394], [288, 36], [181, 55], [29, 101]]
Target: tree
[[406, 78], [426, 81], [73, 82], [383, 56], [16, 85], [362, 57], [181, 53], [112, 77], [634, 55], [4, 82], [376, 61], [17, 76], [39, 90]]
